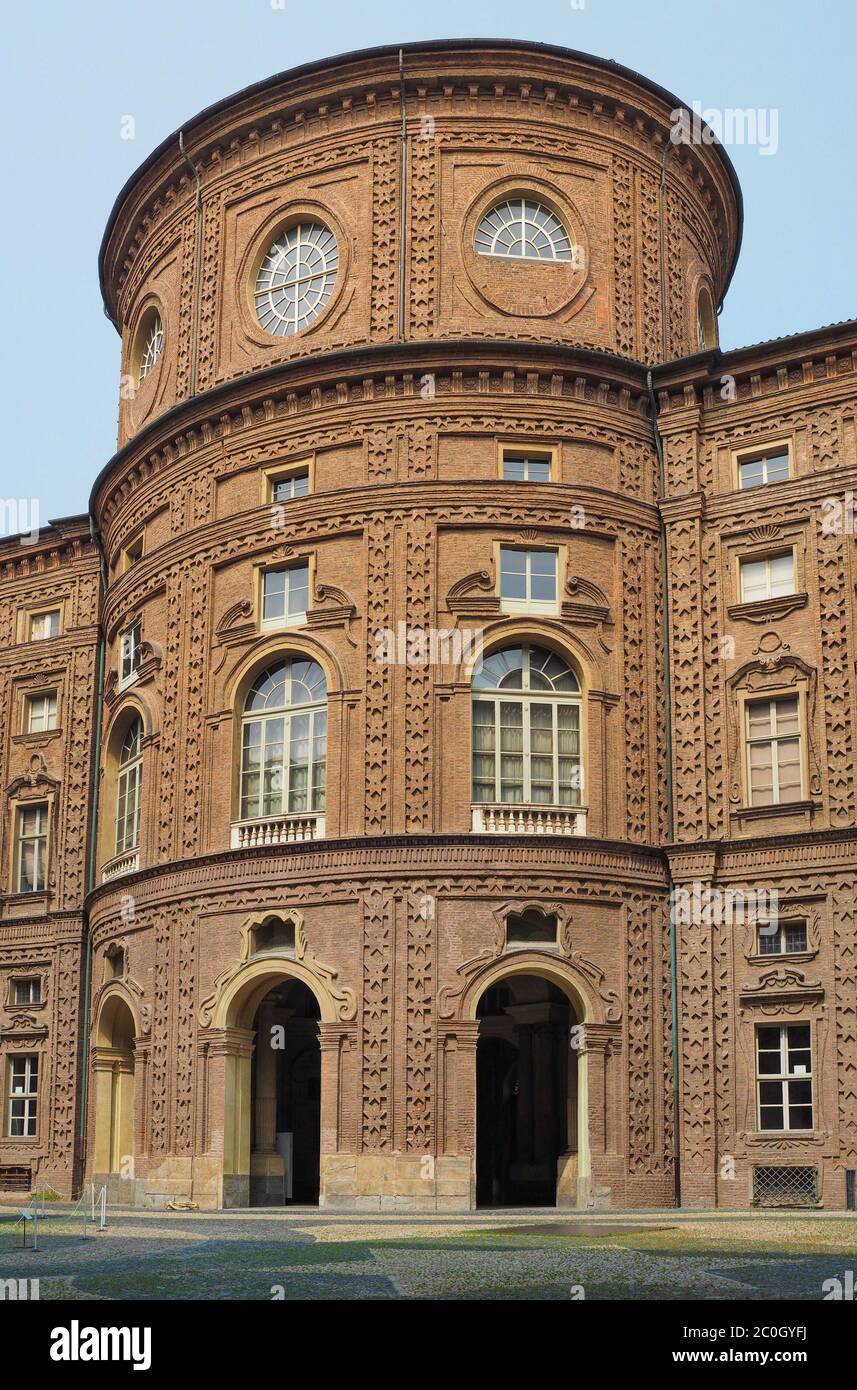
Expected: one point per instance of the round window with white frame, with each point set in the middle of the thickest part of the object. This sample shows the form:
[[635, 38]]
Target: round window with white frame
[[149, 345], [525, 229], [296, 278]]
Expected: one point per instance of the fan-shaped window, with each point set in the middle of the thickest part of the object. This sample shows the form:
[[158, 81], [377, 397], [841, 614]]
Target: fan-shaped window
[[296, 278], [151, 345], [526, 729], [525, 229], [129, 787], [284, 741]]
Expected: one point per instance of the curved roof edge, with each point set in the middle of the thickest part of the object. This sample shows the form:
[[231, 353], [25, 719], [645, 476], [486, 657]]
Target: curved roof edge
[[418, 46]]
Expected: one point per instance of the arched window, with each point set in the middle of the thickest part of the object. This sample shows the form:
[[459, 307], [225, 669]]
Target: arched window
[[706, 322], [526, 729], [523, 228], [284, 741], [128, 788]]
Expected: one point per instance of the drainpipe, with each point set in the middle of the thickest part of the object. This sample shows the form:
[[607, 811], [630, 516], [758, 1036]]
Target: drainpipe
[[665, 629], [198, 272], [403, 174], [95, 783]]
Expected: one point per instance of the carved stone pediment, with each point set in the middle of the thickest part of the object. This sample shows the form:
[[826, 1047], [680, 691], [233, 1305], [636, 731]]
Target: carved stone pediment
[[332, 608], [781, 985], [237, 623], [35, 778], [473, 596]]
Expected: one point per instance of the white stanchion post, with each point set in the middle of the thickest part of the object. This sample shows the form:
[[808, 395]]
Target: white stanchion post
[[103, 1226], [35, 1222]]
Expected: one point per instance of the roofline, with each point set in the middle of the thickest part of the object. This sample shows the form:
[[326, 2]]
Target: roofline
[[790, 344], [51, 533], [319, 65]]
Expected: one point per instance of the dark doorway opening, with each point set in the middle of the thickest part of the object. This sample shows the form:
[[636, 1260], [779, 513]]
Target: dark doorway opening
[[286, 1098], [526, 1092]]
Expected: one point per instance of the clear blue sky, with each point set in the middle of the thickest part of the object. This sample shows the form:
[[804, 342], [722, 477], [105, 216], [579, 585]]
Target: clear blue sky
[[72, 71]]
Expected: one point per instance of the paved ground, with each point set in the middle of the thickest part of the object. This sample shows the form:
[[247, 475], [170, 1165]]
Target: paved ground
[[302, 1253]]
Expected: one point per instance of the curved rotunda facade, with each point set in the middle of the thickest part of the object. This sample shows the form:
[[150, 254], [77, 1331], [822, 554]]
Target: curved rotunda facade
[[401, 743]]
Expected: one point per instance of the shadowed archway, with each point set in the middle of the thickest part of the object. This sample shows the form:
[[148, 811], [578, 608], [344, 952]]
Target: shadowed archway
[[527, 1092]]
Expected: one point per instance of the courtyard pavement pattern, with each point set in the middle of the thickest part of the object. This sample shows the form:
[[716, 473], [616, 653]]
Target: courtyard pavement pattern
[[302, 1253]]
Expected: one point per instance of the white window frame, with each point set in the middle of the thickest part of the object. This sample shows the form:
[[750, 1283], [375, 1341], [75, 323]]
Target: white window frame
[[129, 785], [130, 642], [289, 480], [287, 619], [30, 981], [774, 739], [314, 795], [783, 1077], [48, 700], [527, 604], [764, 457], [39, 839], [26, 1094], [779, 936], [767, 561], [46, 613]]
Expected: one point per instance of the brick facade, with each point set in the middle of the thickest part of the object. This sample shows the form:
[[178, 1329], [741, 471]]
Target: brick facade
[[426, 362]]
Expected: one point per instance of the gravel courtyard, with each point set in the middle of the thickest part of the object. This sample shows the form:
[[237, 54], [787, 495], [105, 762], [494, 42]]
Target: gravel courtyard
[[304, 1254]]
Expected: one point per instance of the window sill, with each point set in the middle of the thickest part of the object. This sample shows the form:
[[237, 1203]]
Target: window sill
[[780, 808], [798, 1136], [37, 737], [782, 957], [283, 624], [763, 610], [534, 607]]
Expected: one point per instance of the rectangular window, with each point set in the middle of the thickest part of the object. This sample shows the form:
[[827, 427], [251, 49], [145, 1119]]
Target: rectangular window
[[759, 469], [526, 752], [32, 848], [44, 625], [23, 1094], [784, 1076], [774, 751], [133, 552], [129, 652], [27, 991], [783, 938], [526, 468], [41, 712], [528, 578], [285, 594], [295, 485], [772, 577], [283, 764]]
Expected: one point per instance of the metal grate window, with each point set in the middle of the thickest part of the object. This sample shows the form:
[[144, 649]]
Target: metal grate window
[[785, 1187], [15, 1178]]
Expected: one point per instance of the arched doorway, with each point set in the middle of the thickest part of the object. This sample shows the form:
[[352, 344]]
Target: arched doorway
[[285, 1093], [527, 1091], [113, 1073]]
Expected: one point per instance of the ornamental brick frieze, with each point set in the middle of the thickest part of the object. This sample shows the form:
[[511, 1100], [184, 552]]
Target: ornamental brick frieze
[[618, 403]]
